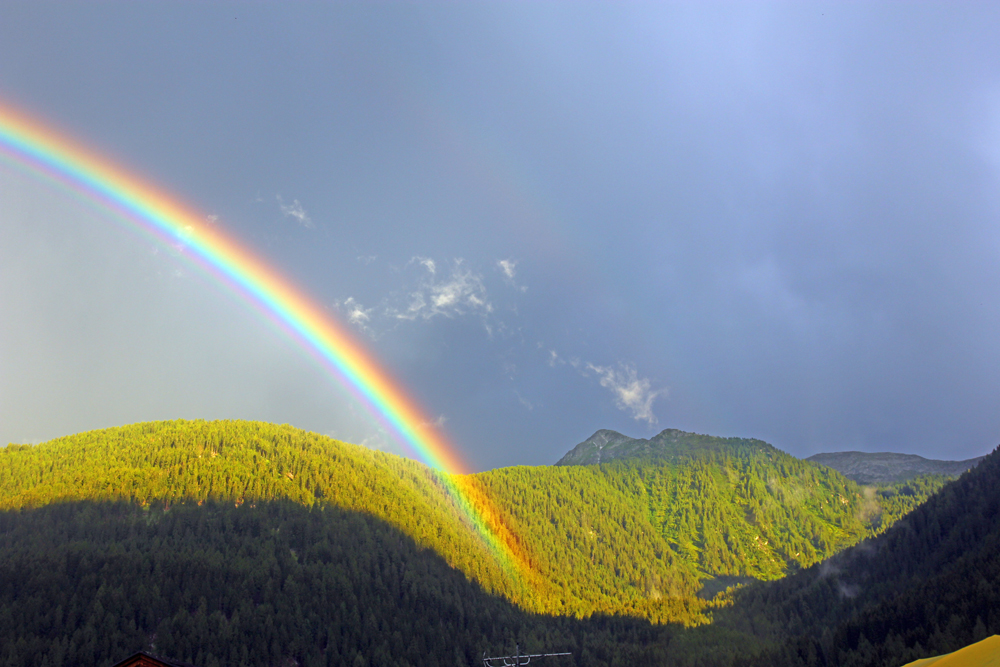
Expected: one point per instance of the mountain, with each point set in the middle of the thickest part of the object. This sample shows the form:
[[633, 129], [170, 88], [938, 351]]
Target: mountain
[[632, 536], [669, 445], [239, 539], [889, 468], [225, 543], [589, 543], [735, 507]]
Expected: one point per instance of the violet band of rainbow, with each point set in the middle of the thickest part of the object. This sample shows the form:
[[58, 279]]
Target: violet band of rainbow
[[38, 149]]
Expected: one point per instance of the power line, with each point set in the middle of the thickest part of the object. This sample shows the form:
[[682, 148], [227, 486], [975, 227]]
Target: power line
[[516, 660]]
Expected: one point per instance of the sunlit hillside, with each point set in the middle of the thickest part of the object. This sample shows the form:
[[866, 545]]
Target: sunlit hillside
[[634, 538]]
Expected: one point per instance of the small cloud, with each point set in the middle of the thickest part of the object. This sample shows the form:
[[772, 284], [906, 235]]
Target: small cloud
[[212, 219], [425, 262], [632, 393], [412, 312], [464, 287], [507, 266], [463, 292], [451, 290], [528, 405], [437, 423], [295, 210], [555, 359], [355, 312], [509, 269]]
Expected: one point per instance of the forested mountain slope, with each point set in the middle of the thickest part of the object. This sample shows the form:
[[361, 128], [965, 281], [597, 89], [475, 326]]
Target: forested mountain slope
[[91, 582], [929, 585], [120, 508], [734, 506], [248, 462], [626, 538]]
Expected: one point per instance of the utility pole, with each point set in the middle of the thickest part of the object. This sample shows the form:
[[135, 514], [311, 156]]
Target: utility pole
[[516, 660]]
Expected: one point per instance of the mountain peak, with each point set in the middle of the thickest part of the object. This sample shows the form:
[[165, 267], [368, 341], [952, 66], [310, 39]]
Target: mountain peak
[[671, 443], [592, 450]]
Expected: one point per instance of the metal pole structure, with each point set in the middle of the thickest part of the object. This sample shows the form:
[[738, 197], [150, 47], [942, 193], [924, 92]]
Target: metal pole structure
[[518, 659]]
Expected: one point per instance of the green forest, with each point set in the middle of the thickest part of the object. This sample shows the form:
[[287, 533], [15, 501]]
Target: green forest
[[250, 543]]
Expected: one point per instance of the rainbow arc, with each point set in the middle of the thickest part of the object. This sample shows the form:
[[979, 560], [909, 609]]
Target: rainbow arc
[[30, 146]]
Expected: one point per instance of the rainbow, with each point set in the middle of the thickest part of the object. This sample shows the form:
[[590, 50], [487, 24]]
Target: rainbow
[[30, 146]]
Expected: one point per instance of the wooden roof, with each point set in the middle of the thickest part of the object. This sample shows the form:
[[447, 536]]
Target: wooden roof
[[143, 659]]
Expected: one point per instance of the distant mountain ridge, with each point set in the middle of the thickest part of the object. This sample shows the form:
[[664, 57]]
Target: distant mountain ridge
[[670, 444], [673, 445], [889, 468]]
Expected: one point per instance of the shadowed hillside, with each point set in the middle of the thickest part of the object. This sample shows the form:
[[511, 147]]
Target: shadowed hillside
[[263, 584], [634, 538], [182, 531], [929, 585], [249, 462]]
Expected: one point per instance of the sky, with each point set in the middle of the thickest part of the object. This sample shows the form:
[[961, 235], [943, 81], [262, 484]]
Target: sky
[[767, 220]]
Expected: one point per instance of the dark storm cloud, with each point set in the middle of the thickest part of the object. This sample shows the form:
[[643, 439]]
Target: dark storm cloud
[[771, 220]]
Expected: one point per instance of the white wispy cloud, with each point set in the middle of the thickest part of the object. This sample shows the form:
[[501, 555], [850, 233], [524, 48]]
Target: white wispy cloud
[[295, 210], [632, 393], [508, 267], [432, 290], [461, 293], [425, 262], [356, 314]]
